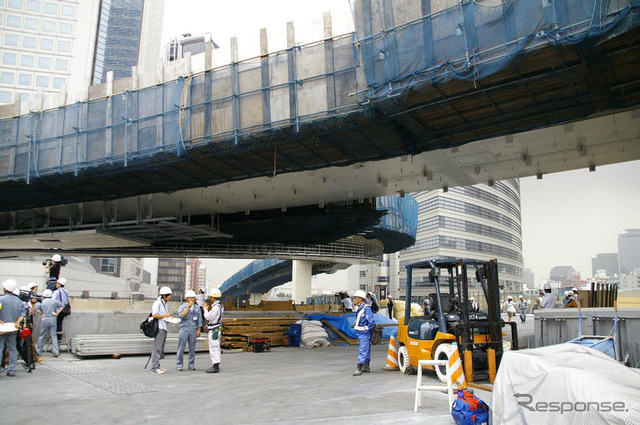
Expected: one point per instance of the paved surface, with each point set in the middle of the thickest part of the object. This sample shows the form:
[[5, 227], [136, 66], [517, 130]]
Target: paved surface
[[286, 386]]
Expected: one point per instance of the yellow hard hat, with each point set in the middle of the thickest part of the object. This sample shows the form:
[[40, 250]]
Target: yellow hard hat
[[215, 293]]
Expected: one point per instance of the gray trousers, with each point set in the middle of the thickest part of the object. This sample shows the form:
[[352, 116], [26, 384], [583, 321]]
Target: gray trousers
[[158, 349], [9, 340]]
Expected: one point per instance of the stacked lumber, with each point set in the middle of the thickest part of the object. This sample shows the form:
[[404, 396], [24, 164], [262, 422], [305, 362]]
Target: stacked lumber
[[237, 331]]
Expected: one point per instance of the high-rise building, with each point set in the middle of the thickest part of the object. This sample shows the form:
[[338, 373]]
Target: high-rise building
[[192, 274], [53, 47], [127, 32], [561, 273], [607, 262], [629, 251], [480, 222], [172, 273]]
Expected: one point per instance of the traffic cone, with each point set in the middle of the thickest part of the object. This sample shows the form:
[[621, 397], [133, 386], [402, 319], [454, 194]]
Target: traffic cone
[[457, 371], [392, 355]]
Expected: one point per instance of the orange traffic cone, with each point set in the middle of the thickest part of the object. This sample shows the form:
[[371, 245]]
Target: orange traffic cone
[[392, 355]]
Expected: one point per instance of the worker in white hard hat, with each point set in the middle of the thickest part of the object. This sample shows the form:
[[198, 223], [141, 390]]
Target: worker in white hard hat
[[190, 324], [522, 308], [61, 295], [52, 266], [364, 325], [49, 309], [510, 307], [213, 312], [11, 311], [548, 300], [473, 305], [390, 306], [160, 311]]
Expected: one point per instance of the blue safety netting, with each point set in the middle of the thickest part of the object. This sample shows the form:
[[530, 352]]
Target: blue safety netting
[[428, 41], [345, 323], [402, 214]]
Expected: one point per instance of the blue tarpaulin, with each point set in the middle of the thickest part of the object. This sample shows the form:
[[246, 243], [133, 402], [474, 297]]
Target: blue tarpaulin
[[345, 324]]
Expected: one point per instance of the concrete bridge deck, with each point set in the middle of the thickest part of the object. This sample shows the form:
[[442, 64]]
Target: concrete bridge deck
[[429, 95]]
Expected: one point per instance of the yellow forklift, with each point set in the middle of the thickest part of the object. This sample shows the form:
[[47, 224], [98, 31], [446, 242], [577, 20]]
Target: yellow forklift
[[453, 324]]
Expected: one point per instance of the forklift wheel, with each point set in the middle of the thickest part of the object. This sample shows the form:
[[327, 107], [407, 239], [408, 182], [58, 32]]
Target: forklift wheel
[[443, 352], [403, 361]]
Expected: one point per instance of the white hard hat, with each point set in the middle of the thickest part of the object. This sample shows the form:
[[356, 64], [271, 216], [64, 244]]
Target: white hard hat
[[360, 293], [215, 293], [62, 281], [9, 285], [190, 294], [472, 299], [547, 286], [165, 290], [389, 296], [32, 285], [509, 297], [566, 293], [574, 289], [56, 257], [47, 293]]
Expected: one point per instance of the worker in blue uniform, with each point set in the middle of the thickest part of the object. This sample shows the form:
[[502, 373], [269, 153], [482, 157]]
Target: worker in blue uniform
[[364, 325], [190, 324], [11, 311]]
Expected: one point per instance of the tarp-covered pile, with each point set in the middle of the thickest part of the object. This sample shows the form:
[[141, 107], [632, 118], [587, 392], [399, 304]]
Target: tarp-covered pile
[[345, 324], [565, 384]]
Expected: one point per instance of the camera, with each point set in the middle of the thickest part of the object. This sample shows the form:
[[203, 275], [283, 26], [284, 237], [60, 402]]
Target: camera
[[27, 295]]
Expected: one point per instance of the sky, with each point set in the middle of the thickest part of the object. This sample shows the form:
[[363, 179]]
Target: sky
[[568, 218]]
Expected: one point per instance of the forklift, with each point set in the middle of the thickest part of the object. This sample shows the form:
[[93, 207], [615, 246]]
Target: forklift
[[452, 324]]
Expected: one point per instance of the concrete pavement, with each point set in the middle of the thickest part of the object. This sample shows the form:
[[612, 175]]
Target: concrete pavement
[[287, 385]]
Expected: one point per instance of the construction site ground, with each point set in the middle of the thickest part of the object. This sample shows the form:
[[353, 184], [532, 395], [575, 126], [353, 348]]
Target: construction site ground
[[286, 385]]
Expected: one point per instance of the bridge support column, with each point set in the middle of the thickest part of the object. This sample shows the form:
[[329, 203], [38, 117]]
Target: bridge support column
[[255, 298], [301, 280]]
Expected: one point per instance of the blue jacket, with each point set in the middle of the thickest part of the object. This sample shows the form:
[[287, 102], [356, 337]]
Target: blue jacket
[[364, 319], [193, 319]]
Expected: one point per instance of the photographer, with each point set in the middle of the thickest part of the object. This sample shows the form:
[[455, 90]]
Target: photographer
[[53, 265]]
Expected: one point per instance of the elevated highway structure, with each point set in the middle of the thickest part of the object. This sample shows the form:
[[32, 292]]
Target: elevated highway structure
[[426, 94]]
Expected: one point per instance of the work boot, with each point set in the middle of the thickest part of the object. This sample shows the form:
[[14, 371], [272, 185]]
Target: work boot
[[365, 368], [358, 371], [214, 368]]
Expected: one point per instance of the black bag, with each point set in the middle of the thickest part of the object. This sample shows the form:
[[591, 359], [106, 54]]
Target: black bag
[[376, 335], [67, 309], [374, 307], [149, 327]]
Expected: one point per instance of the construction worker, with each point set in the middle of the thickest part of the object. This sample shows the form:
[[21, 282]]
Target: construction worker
[[11, 311], [213, 312], [522, 308], [160, 311], [548, 300], [49, 309], [190, 324], [390, 306], [364, 326], [509, 307], [62, 296], [473, 305]]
